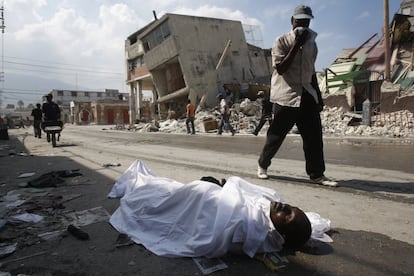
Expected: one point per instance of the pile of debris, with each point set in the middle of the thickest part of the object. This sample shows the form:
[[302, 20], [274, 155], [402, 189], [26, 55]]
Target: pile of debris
[[396, 124], [335, 120]]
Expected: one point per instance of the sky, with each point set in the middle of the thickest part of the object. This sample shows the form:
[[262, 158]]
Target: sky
[[79, 44]]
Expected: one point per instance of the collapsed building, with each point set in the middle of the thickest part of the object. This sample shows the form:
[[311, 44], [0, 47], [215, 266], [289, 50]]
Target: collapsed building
[[180, 57]]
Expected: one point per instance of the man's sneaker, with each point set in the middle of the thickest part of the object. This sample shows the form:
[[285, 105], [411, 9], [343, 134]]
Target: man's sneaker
[[262, 173], [323, 180]]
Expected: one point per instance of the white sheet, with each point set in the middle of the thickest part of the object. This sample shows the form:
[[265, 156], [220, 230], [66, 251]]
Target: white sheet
[[196, 219]]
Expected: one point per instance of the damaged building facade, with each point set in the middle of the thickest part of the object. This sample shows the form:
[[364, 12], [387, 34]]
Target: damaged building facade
[[180, 57], [360, 73], [98, 107]]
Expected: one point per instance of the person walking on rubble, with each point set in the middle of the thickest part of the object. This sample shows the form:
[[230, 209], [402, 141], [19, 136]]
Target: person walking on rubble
[[37, 115], [190, 117], [266, 112], [225, 115], [296, 97]]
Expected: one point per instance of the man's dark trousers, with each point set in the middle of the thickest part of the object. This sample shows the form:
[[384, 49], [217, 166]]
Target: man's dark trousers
[[308, 121]]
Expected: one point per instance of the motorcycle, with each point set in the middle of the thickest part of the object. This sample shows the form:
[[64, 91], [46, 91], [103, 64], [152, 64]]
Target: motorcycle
[[52, 129]]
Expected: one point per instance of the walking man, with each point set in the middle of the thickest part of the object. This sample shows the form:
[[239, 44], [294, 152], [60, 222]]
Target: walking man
[[37, 120], [296, 97], [266, 111], [190, 117], [225, 116]]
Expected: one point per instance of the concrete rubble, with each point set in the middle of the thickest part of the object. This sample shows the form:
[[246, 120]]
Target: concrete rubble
[[335, 120]]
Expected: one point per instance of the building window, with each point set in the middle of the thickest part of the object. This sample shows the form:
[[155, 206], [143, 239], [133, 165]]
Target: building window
[[74, 93], [133, 40], [136, 62], [60, 93], [157, 36], [99, 95]]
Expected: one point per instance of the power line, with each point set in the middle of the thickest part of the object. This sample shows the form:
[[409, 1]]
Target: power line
[[10, 69], [17, 89], [56, 63], [64, 69]]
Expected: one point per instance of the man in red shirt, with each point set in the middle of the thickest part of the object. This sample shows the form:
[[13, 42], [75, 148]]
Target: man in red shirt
[[190, 117]]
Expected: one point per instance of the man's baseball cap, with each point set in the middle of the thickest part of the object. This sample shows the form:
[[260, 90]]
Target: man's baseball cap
[[302, 12]]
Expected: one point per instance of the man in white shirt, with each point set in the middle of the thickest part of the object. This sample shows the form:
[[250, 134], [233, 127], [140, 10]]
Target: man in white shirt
[[296, 97]]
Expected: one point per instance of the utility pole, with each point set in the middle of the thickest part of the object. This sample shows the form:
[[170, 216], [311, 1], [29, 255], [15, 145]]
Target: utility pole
[[2, 27], [387, 40]]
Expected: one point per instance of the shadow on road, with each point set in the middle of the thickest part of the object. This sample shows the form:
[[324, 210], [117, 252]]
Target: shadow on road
[[389, 190]]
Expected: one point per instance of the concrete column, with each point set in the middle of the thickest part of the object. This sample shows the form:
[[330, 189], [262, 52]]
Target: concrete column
[[132, 103], [139, 99], [154, 116]]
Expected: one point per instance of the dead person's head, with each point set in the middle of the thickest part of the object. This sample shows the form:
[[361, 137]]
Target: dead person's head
[[292, 223]]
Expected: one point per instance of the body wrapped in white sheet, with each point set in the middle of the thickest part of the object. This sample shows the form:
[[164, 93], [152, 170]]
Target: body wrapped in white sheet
[[195, 219]]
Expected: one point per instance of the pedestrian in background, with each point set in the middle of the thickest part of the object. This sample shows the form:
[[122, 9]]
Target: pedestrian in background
[[296, 97], [266, 112], [225, 115], [37, 120], [190, 117], [51, 109]]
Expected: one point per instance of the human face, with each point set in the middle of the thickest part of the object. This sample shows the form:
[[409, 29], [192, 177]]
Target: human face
[[284, 216], [300, 23]]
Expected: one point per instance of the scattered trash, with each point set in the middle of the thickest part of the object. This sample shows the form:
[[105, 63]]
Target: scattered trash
[[89, 216], [123, 240], [24, 175], [111, 165], [273, 261], [69, 173], [47, 236], [46, 180], [7, 249], [81, 180], [78, 233], [208, 266], [11, 200], [51, 179], [34, 190], [25, 217], [23, 184]]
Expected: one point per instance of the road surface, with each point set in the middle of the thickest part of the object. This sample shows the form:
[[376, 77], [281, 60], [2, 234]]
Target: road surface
[[371, 212]]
